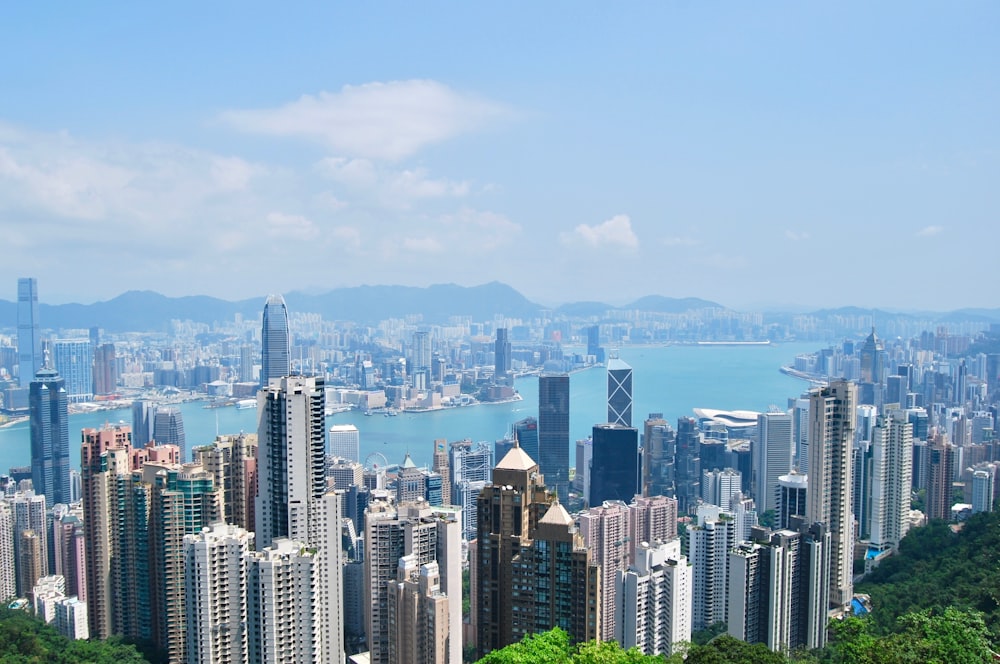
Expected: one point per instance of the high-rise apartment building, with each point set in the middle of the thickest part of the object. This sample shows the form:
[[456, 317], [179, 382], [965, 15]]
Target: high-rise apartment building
[[105, 370], [29, 339], [232, 461], [291, 459], [105, 459], [49, 418], [327, 541], [418, 612], [215, 587], [8, 566], [74, 360], [718, 487], [30, 560], [889, 482], [345, 442], [771, 454], [832, 411], [344, 473], [282, 604], [653, 599], [275, 340], [708, 550], [940, 476], [428, 535], [659, 448], [614, 468], [606, 530], [553, 431], [30, 515], [983, 487], [777, 585]]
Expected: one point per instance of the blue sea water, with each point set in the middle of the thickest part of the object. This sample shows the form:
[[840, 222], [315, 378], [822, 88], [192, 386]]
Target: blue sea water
[[666, 379]]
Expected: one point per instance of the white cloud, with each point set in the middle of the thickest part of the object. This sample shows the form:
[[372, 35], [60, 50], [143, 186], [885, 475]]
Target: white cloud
[[796, 236], [478, 230], [387, 186], [389, 121], [929, 231], [615, 232]]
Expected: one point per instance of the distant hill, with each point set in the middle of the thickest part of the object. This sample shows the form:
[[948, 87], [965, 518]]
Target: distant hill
[[146, 311], [671, 305]]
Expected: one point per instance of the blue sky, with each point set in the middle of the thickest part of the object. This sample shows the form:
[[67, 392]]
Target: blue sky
[[816, 154]]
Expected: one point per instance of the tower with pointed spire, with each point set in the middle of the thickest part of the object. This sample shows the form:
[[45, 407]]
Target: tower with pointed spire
[[274, 338], [527, 539]]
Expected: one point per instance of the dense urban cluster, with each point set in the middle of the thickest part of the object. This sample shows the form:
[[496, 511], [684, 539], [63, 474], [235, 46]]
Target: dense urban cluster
[[285, 545]]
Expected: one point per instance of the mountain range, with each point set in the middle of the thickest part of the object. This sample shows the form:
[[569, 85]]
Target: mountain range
[[147, 311]]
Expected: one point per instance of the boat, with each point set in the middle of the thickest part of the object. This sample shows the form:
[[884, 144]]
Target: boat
[[244, 404]]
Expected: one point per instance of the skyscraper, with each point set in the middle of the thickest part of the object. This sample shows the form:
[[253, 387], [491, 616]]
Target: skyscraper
[[74, 360], [606, 528], [275, 341], [168, 429], [619, 392], [143, 413], [553, 431], [614, 469], [29, 340], [526, 431], [49, 419], [889, 481], [345, 442], [772, 457], [653, 599], [283, 614], [428, 535], [508, 509], [215, 593], [659, 447], [832, 412], [291, 460], [502, 365], [940, 475], [687, 467], [105, 369]]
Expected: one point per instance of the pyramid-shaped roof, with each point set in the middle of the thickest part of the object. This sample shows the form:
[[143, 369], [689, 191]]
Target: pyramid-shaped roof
[[516, 459], [557, 515], [408, 462]]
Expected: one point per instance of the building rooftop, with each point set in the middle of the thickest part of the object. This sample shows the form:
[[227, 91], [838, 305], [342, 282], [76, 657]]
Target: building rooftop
[[516, 459], [557, 515]]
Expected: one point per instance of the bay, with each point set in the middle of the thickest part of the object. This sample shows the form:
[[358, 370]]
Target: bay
[[666, 379]]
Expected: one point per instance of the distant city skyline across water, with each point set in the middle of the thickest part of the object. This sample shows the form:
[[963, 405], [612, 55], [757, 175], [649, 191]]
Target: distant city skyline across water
[[667, 379]]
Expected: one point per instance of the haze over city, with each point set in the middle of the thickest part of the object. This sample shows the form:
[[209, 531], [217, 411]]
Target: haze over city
[[575, 152]]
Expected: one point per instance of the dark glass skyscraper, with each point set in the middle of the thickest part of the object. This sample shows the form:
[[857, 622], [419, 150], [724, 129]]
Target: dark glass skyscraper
[[553, 431], [29, 340], [275, 346], [687, 467], [49, 417], [614, 470], [526, 431]]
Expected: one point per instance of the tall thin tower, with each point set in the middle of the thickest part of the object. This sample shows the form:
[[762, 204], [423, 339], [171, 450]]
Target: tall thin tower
[[291, 457], [275, 348], [619, 392], [832, 413], [553, 431], [49, 417], [29, 340]]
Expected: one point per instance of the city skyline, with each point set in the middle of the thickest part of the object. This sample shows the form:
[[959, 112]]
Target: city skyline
[[632, 137]]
